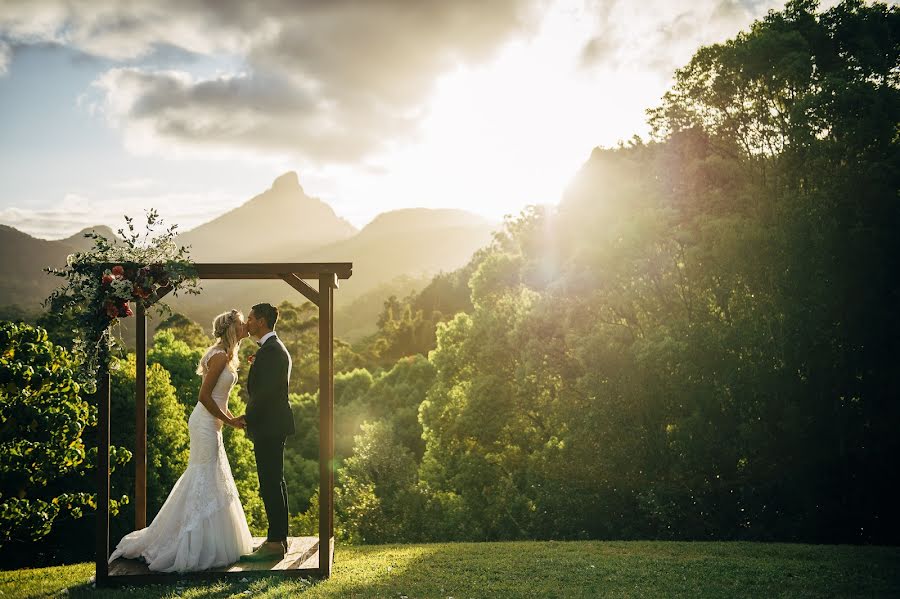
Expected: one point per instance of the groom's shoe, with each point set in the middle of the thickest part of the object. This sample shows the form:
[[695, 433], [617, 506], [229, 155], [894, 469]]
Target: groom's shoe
[[269, 551], [283, 544]]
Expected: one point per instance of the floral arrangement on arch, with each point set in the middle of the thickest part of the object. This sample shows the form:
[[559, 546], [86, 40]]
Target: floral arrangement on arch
[[139, 268]]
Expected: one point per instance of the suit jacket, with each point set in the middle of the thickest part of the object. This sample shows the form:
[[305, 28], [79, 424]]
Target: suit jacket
[[268, 411]]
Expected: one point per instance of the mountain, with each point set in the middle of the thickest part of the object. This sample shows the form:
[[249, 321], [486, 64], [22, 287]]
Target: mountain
[[421, 219], [397, 253], [82, 243], [22, 280], [280, 221], [417, 242]]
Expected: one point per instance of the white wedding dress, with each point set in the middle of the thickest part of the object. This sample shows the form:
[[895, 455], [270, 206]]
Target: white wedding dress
[[202, 523]]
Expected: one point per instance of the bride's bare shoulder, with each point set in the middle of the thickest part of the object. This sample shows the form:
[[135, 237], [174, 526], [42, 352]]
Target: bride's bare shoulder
[[216, 358]]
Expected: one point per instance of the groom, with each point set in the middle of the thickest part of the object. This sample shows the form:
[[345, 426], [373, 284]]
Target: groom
[[269, 421]]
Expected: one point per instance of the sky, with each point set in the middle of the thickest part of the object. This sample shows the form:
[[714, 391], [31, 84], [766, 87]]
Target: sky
[[193, 107]]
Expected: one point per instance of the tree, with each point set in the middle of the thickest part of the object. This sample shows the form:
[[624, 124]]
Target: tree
[[407, 327], [167, 438], [43, 417], [810, 102], [703, 333], [378, 498], [186, 330]]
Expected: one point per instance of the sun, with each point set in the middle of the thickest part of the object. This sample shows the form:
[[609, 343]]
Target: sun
[[515, 130]]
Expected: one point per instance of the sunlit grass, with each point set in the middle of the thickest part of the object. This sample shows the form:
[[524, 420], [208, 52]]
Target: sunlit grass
[[537, 569]]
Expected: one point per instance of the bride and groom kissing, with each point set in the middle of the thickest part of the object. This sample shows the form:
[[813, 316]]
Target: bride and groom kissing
[[202, 524]]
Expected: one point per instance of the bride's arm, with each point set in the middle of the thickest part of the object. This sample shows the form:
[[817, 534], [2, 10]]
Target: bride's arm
[[214, 367]]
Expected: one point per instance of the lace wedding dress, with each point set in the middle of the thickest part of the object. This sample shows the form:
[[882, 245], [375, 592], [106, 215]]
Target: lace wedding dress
[[202, 523]]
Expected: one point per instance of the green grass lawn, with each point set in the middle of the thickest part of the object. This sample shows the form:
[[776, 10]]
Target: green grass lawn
[[537, 569]]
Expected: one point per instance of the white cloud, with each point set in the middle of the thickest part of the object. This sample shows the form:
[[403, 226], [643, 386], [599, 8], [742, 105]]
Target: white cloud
[[120, 31], [76, 212], [5, 57], [325, 82], [337, 82], [377, 103], [136, 184], [658, 36]]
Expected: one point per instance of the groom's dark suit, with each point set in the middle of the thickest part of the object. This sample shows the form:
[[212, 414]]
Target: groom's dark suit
[[269, 422]]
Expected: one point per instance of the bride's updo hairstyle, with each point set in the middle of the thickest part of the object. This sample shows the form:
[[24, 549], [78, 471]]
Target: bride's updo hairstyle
[[226, 330]]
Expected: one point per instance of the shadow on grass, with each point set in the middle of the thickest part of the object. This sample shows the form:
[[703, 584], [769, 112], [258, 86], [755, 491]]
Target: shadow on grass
[[264, 585]]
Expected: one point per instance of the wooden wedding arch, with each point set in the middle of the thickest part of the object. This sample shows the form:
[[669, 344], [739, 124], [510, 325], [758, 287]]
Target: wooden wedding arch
[[306, 556]]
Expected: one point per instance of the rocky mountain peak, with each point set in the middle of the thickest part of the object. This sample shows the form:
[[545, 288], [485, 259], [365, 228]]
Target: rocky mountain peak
[[287, 182]]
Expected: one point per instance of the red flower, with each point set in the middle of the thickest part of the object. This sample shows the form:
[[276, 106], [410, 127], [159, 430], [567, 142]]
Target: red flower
[[110, 308], [140, 292], [118, 270], [250, 359], [125, 310], [107, 279]]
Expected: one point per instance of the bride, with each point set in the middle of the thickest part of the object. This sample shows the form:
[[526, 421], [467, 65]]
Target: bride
[[201, 525]]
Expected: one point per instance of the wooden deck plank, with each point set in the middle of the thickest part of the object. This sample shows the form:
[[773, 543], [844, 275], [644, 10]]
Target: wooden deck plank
[[302, 556]]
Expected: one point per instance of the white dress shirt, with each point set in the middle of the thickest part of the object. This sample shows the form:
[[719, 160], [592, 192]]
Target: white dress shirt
[[265, 338]]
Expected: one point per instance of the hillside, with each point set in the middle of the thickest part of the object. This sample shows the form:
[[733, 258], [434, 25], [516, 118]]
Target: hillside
[[22, 280]]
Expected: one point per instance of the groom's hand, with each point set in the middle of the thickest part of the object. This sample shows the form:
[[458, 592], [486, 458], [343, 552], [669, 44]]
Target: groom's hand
[[240, 422]]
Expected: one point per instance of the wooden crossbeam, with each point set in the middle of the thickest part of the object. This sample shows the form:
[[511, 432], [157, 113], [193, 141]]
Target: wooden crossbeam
[[303, 270], [301, 286], [160, 293]]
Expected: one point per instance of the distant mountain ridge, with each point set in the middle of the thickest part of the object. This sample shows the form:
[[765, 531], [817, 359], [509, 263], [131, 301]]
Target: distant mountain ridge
[[280, 217], [23, 281], [408, 243], [405, 219], [82, 243], [281, 224]]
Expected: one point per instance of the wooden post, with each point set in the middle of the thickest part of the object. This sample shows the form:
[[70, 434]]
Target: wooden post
[[326, 422], [140, 421], [103, 401]]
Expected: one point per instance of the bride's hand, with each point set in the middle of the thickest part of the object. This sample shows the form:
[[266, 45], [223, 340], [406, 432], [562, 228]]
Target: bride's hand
[[236, 422]]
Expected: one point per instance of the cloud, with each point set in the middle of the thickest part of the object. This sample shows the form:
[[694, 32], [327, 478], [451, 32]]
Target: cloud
[[76, 212], [136, 184], [659, 36], [157, 110], [336, 82], [120, 31], [322, 81], [5, 57]]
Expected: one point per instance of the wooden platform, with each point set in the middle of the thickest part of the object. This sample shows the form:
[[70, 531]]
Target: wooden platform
[[302, 559]]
